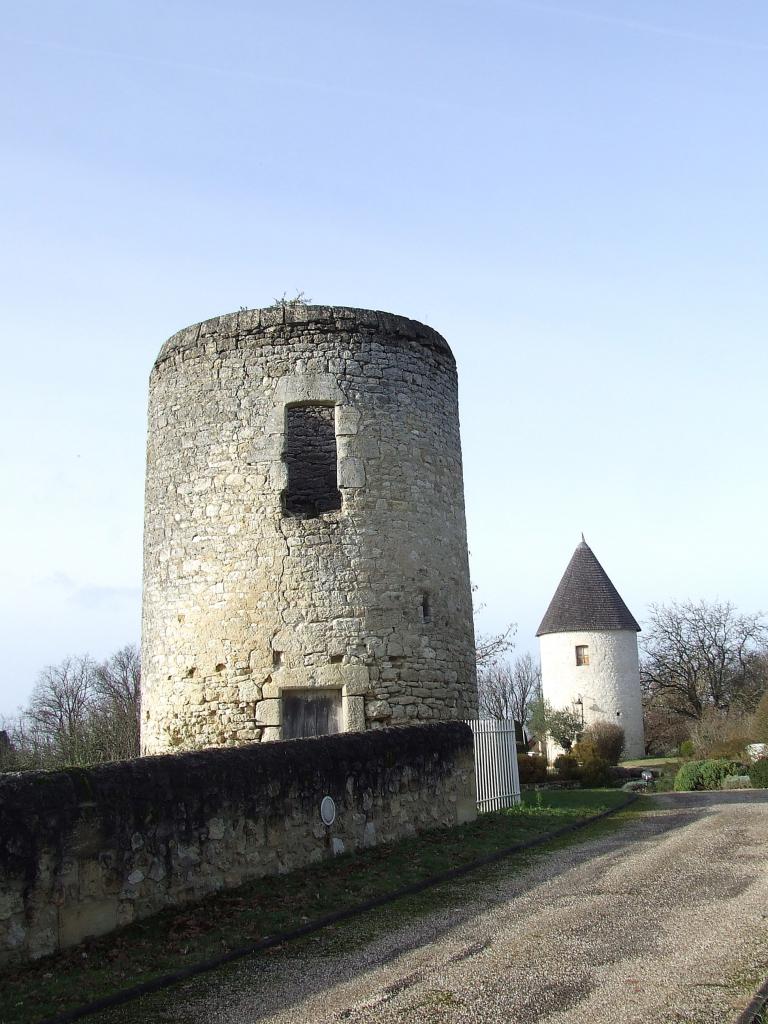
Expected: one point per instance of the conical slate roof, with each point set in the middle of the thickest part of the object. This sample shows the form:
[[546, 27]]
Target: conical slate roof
[[586, 599]]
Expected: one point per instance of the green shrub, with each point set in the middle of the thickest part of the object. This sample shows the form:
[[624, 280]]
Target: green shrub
[[532, 769], [758, 774], [595, 771], [687, 777], [567, 768], [735, 782], [603, 740], [714, 771], [703, 774], [686, 748]]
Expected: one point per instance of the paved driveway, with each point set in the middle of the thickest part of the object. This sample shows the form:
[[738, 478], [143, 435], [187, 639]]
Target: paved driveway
[[665, 921]]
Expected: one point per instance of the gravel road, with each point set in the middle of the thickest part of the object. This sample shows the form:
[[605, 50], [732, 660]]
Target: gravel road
[[662, 922]]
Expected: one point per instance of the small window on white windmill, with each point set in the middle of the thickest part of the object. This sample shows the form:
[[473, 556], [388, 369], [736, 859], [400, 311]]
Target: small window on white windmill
[[582, 654]]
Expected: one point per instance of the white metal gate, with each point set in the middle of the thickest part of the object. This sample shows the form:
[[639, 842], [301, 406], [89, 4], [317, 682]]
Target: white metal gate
[[498, 782]]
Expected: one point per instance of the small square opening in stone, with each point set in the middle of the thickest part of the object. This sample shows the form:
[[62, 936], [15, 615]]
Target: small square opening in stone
[[310, 456]]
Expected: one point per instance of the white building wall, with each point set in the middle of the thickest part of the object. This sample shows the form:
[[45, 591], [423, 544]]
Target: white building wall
[[609, 685]]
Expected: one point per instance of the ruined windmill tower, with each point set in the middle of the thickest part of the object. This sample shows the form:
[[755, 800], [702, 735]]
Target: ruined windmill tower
[[305, 553], [589, 660]]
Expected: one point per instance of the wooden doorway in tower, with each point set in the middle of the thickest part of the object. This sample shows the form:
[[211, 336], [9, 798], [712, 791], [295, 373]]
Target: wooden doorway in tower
[[311, 713]]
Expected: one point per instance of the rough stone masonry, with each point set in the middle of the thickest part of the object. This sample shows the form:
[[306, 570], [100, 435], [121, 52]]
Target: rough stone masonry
[[86, 850], [304, 527]]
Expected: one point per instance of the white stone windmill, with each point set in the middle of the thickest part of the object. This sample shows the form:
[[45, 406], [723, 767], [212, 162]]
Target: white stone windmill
[[589, 659]]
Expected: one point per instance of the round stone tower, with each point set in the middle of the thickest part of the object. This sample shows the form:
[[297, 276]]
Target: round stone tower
[[305, 553], [589, 660]]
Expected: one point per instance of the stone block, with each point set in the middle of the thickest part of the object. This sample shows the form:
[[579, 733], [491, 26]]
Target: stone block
[[378, 709], [356, 679], [369, 834], [89, 918], [347, 420], [466, 808], [354, 714], [329, 675], [268, 712], [351, 472], [11, 902]]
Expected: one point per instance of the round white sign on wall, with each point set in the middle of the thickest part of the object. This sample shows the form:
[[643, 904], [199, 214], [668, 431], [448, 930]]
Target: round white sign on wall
[[327, 810]]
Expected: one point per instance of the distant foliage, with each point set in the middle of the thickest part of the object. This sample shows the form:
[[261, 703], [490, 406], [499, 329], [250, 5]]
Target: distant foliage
[[736, 782], [567, 768], [719, 734], [758, 774], [760, 721], [707, 774], [491, 648], [700, 656], [81, 712], [603, 740], [531, 768], [562, 724], [507, 689], [664, 729], [595, 771]]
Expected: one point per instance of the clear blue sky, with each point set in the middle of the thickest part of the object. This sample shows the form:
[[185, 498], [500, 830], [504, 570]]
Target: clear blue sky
[[574, 194]]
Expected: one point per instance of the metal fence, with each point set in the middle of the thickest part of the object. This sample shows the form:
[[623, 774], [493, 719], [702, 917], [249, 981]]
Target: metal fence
[[498, 782]]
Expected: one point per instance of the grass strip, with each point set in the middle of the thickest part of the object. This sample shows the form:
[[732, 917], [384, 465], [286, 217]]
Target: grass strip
[[180, 943], [757, 1011]]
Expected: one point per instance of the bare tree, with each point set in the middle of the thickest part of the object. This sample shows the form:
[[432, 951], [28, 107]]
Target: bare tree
[[490, 647], [664, 729], [6, 751], [117, 686], [509, 689], [80, 713], [699, 656], [61, 710]]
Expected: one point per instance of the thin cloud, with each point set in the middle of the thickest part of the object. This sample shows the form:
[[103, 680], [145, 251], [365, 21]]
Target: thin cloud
[[92, 596], [106, 598], [643, 26], [317, 85], [60, 581]]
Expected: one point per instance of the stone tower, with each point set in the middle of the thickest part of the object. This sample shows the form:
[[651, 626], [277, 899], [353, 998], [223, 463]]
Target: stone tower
[[305, 554], [589, 660]]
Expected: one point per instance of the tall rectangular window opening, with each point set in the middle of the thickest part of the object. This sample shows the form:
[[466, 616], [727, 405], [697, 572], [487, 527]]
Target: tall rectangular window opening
[[582, 654], [310, 455]]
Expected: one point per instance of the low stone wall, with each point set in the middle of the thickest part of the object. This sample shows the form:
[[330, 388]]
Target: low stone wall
[[85, 851]]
